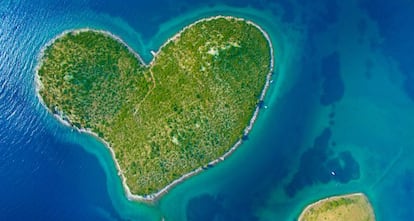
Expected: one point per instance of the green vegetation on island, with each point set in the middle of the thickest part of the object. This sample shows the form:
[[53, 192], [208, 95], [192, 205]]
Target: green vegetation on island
[[355, 207], [188, 107]]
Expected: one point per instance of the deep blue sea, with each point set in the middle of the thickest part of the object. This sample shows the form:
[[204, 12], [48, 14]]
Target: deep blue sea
[[342, 101]]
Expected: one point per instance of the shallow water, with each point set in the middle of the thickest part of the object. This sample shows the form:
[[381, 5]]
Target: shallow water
[[341, 101]]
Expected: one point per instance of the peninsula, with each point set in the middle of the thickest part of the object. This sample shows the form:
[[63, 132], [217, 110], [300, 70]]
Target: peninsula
[[166, 120], [354, 207]]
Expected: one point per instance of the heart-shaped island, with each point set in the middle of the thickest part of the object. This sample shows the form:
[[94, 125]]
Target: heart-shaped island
[[163, 122]]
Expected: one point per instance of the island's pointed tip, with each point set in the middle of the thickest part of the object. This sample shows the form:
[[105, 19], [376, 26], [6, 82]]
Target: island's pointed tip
[[153, 53]]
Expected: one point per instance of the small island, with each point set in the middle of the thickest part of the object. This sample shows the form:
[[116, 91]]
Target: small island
[[355, 207], [167, 120]]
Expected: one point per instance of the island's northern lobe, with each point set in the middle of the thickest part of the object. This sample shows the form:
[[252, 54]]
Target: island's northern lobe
[[188, 107]]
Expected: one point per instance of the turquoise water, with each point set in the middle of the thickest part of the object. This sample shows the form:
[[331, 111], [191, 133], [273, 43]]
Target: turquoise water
[[341, 101]]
